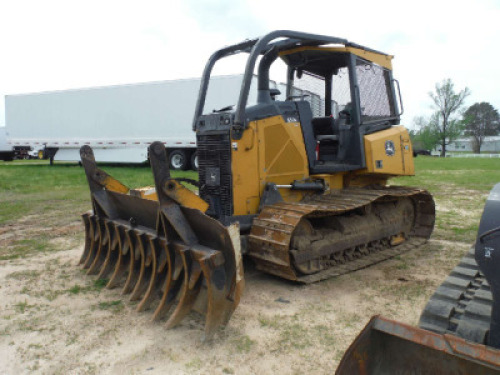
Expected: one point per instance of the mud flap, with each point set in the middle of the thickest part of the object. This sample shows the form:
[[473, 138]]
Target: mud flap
[[170, 258], [389, 347]]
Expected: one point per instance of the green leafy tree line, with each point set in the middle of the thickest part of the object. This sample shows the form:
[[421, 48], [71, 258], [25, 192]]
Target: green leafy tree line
[[450, 121]]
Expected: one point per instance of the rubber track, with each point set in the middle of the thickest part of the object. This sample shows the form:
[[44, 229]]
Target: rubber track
[[273, 228], [462, 304]]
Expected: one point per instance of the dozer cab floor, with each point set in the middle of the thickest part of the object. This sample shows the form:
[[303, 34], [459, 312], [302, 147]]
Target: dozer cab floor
[[330, 235]]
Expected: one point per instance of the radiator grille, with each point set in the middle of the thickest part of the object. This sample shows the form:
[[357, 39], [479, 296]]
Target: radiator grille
[[214, 158]]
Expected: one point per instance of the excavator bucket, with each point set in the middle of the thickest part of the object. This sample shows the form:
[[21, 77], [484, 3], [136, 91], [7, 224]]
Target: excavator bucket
[[161, 251], [388, 347]]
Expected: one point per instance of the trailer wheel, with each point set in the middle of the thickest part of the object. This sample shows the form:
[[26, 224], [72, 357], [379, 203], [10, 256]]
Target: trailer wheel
[[178, 160], [194, 161]]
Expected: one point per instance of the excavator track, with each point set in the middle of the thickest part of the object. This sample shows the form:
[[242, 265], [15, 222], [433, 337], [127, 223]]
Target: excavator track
[[462, 303], [329, 235]]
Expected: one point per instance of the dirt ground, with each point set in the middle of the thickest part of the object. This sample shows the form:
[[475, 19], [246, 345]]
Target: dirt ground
[[56, 320]]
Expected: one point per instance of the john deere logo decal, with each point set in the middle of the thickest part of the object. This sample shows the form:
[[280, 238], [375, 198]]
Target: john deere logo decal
[[389, 148]]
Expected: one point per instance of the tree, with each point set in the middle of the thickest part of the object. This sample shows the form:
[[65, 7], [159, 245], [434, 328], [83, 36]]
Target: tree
[[481, 120], [447, 103], [424, 136]]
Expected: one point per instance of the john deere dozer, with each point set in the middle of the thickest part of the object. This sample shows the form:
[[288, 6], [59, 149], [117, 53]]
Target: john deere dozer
[[299, 185]]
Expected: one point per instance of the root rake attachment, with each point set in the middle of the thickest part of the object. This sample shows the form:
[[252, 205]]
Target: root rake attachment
[[170, 257]]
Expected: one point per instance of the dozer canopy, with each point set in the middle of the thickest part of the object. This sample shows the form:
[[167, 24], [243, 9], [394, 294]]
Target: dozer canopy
[[318, 55], [334, 88]]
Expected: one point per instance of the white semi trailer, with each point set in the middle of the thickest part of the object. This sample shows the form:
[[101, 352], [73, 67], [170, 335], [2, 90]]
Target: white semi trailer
[[118, 122]]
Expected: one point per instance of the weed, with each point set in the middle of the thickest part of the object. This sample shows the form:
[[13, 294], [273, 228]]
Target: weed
[[194, 364], [294, 335], [75, 289], [21, 306], [243, 344], [98, 285], [24, 275], [114, 306], [325, 335], [271, 322]]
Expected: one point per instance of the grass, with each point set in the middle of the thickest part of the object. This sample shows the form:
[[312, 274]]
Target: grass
[[47, 201], [21, 307], [28, 189], [242, 343], [441, 174], [28, 275], [95, 287], [113, 306], [293, 334], [460, 183]]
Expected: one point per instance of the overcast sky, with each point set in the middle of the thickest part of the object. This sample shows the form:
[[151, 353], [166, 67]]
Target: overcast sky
[[57, 45]]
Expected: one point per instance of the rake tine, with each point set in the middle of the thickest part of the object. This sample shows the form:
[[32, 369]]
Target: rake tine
[[122, 263], [171, 286], [112, 253], [188, 295], [218, 307], [94, 242], [134, 264], [155, 280], [101, 250], [145, 273], [88, 236]]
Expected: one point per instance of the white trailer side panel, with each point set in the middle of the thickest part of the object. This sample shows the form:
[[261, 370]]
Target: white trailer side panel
[[4, 147], [119, 122]]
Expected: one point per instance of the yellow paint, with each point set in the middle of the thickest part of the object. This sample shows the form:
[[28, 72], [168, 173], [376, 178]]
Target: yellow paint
[[332, 181], [177, 192], [360, 178], [245, 171], [114, 185], [378, 58], [377, 159], [270, 150], [146, 192], [282, 155], [184, 196]]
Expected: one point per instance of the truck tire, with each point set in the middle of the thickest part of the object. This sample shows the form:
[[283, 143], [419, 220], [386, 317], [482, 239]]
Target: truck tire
[[194, 161], [178, 160]]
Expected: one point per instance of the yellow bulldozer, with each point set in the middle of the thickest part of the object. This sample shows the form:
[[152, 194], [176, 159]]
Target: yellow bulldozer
[[297, 182]]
